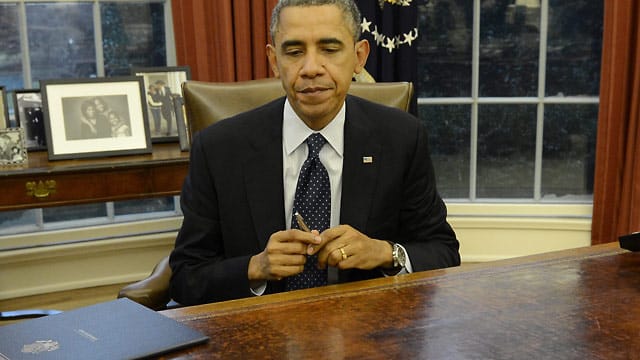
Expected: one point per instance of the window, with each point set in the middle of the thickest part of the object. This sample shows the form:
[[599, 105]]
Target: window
[[509, 92], [76, 39]]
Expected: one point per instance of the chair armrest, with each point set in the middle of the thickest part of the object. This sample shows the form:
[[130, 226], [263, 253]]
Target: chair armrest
[[153, 291]]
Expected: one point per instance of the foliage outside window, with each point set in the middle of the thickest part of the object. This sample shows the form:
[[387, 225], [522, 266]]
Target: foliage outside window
[[509, 92]]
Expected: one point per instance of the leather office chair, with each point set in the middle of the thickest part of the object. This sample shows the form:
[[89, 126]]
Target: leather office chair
[[206, 103]]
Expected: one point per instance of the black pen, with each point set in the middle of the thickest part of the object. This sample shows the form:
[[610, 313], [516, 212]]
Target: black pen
[[301, 223]]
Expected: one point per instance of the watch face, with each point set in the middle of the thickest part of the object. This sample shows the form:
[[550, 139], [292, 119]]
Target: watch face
[[400, 258]]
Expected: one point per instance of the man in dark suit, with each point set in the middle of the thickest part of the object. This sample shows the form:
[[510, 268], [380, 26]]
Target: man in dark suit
[[163, 95], [238, 238]]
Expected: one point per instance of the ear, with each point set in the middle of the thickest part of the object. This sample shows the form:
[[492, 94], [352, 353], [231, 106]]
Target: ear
[[362, 53], [273, 59]]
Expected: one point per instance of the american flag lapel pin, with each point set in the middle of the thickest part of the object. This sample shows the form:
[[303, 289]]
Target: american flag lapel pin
[[367, 159]]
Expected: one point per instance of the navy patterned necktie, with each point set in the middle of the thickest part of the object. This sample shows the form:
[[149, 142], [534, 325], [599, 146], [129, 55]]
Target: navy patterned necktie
[[313, 202]]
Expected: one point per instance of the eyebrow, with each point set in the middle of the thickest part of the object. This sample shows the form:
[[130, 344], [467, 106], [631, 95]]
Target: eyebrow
[[323, 41]]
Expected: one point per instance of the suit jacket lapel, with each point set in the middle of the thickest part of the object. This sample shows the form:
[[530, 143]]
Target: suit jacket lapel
[[360, 168], [263, 174]]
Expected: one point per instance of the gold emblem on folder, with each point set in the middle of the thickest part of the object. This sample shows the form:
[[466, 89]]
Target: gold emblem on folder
[[367, 159]]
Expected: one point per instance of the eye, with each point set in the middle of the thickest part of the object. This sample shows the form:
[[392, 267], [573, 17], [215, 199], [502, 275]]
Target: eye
[[293, 52], [331, 50]]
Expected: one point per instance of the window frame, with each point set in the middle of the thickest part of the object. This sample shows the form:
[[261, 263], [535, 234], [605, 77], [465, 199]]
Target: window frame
[[475, 100]]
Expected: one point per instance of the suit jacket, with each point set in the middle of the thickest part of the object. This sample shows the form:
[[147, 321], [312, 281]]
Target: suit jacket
[[232, 197]]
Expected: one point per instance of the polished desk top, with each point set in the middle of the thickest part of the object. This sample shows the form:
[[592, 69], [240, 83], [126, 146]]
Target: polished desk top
[[575, 304]]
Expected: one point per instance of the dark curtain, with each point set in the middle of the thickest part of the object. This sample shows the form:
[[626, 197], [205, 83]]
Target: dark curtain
[[223, 40], [616, 197]]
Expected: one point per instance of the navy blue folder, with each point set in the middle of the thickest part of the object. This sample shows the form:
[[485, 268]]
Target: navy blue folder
[[118, 329]]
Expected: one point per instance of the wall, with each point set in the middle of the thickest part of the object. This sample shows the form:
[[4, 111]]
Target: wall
[[486, 232]]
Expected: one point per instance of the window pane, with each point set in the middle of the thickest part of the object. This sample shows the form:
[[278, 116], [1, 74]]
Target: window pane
[[444, 48], [61, 43], [133, 35], [573, 47], [449, 132], [569, 151], [74, 212], [509, 48], [143, 206], [10, 57], [15, 222], [506, 151]]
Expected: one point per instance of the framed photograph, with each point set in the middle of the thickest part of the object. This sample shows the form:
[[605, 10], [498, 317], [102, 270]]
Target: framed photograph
[[183, 127], [162, 86], [95, 117], [12, 147], [27, 105], [4, 109]]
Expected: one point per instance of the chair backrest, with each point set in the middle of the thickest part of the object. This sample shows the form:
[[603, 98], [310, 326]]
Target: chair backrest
[[208, 102]]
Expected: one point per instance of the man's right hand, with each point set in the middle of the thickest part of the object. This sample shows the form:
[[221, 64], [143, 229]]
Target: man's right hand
[[284, 256]]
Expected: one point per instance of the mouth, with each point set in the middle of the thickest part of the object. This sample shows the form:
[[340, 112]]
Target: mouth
[[312, 90]]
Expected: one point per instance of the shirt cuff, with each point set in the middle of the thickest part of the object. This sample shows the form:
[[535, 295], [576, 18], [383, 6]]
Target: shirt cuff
[[260, 289]]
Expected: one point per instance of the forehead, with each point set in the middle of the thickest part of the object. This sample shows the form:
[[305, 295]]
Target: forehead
[[312, 23]]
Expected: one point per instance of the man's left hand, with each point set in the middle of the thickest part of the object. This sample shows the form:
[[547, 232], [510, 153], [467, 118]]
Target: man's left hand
[[346, 248]]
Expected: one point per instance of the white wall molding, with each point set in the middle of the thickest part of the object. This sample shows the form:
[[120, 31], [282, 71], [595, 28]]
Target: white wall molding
[[486, 231]]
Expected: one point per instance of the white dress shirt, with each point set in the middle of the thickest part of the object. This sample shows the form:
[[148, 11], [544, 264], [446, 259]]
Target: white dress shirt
[[295, 151]]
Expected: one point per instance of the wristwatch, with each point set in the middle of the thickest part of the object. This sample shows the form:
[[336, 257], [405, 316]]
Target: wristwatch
[[399, 256]]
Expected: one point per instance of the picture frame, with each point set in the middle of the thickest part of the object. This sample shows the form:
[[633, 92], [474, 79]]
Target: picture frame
[[4, 108], [13, 151], [162, 86], [184, 135], [27, 107], [95, 117]]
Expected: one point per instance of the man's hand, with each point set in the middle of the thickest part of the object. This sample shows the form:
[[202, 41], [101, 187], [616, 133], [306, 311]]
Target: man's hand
[[346, 248], [284, 256]]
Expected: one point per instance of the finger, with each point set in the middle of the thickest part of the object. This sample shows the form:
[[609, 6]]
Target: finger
[[284, 271], [330, 255], [296, 235]]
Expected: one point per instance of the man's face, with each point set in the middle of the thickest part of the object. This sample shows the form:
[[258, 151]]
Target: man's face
[[315, 57]]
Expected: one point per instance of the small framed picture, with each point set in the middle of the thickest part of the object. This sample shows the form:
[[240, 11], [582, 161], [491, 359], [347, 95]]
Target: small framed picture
[[12, 147], [162, 86], [27, 105], [4, 109], [95, 117], [183, 127]]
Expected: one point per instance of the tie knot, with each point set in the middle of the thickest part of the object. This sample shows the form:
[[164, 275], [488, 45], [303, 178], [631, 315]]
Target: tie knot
[[315, 142]]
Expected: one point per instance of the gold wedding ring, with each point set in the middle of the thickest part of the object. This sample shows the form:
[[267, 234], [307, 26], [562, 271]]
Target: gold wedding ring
[[344, 255]]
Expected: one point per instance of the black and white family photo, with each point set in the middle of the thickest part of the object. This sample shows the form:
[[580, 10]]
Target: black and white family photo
[[12, 149], [95, 117]]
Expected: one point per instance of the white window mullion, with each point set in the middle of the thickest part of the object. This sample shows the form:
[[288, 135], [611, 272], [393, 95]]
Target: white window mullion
[[542, 65], [24, 46], [475, 77], [169, 35], [97, 38], [111, 211]]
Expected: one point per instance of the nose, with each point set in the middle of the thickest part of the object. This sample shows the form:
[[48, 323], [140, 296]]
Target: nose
[[313, 65]]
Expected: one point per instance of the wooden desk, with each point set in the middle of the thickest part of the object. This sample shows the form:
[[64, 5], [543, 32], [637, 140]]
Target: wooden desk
[[64, 182], [577, 304]]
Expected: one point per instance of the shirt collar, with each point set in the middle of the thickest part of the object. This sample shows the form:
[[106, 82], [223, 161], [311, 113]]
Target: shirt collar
[[295, 131]]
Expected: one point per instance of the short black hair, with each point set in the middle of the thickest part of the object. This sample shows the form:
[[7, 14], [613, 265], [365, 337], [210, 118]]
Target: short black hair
[[348, 8]]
